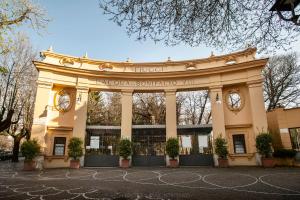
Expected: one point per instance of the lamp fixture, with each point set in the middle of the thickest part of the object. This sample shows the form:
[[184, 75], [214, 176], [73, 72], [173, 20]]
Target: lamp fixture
[[218, 101]]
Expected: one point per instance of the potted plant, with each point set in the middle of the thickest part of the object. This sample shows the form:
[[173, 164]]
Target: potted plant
[[284, 157], [75, 152], [125, 150], [221, 151], [30, 149], [172, 149], [264, 147]]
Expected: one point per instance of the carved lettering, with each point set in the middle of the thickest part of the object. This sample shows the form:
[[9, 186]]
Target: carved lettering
[[148, 69], [144, 83]]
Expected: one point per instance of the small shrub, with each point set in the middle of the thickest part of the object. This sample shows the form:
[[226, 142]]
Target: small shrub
[[172, 147], [221, 147], [125, 148], [30, 149], [264, 144], [284, 153], [75, 148]]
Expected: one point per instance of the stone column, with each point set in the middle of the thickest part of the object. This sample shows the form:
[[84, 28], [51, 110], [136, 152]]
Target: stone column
[[80, 115], [217, 111], [41, 107], [126, 121], [217, 114], [258, 113], [259, 116], [171, 123]]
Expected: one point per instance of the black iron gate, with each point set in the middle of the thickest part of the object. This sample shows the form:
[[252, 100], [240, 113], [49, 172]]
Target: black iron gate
[[148, 147], [102, 148], [195, 148]]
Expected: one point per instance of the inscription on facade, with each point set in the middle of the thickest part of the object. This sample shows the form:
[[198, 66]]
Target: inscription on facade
[[145, 83], [148, 69]]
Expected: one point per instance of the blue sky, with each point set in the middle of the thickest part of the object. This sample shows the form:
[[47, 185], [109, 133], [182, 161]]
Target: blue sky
[[79, 26]]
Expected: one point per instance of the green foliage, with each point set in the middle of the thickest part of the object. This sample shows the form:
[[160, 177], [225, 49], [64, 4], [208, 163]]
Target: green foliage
[[264, 144], [125, 148], [284, 153], [3, 70], [172, 147], [30, 149], [75, 148], [221, 147]]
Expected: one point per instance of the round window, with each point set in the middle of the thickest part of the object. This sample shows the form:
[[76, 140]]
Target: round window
[[234, 100], [62, 101]]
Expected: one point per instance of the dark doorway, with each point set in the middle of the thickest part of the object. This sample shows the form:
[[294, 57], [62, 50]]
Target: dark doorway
[[195, 145], [149, 146], [101, 147]]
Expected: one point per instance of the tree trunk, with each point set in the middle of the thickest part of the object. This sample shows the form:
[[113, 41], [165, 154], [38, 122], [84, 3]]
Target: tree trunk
[[15, 156]]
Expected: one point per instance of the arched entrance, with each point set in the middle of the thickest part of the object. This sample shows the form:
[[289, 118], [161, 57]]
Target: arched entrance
[[234, 82]]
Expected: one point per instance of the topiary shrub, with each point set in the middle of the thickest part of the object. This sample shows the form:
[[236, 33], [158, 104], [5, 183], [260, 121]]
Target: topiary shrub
[[172, 148], [284, 153], [75, 150], [125, 148], [30, 149], [221, 147], [264, 144]]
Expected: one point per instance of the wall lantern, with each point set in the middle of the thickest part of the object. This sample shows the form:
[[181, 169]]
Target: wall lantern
[[284, 6], [218, 101]]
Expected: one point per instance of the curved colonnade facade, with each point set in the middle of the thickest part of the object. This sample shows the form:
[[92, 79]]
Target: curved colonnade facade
[[234, 82]]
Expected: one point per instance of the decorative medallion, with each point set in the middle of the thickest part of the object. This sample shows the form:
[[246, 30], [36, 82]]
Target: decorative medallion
[[190, 66], [66, 61], [105, 66], [235, 100], [62, 101], [230, 60]]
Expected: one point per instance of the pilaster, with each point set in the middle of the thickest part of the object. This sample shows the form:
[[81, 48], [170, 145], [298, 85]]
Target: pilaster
[[171, 124], [126, 121], [259, 116], [41, 107]]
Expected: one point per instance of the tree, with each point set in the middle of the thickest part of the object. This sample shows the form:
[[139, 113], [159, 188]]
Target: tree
[[282, 81], [17, 92], [14, 13], [95, 108], [194, 107], [149, 108], [104, 108], [229, 23], [114, 108]]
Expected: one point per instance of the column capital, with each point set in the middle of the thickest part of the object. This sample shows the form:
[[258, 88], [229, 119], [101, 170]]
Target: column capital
[[82, 89], [126, 92], [216, 88], [255, 83], [44, 84], [170, 91]]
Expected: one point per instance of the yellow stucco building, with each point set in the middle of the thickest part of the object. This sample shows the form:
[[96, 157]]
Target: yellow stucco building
[[234, 82]]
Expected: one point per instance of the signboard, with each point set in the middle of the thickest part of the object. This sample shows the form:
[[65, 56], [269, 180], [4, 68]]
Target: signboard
[[202, 141], [186, 141], [94, 142]]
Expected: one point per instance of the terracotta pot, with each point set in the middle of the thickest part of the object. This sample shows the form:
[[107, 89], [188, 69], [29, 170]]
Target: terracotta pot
[[268, 162], [74, 164], [223, 162], [287, 162], [173, 163], [124, 163], [29, 165]]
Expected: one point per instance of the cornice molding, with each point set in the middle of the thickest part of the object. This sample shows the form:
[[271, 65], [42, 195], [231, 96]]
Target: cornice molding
[[226, 57], [150, 75]]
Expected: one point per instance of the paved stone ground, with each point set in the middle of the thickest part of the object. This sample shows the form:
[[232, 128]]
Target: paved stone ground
[[149, 183]]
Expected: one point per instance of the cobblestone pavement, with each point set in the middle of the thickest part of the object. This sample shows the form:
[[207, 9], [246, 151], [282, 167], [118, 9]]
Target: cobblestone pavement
[[149, 183]]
